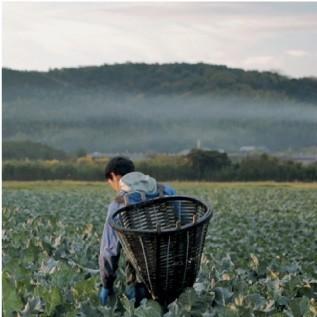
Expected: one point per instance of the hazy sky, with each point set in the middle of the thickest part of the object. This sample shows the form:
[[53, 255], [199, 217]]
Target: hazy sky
[[263, 36]]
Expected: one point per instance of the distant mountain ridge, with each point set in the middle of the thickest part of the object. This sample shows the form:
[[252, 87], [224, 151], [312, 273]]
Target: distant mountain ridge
[[158, 107], [165, 79]]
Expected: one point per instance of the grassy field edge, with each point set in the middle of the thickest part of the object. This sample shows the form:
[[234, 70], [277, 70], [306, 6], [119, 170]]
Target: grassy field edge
[[60, 184]]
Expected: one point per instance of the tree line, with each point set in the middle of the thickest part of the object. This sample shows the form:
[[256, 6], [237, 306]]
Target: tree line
[[198, 165], [173, 78]]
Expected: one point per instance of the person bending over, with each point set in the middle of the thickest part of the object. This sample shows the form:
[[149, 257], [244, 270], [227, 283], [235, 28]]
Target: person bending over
[[131, 187]]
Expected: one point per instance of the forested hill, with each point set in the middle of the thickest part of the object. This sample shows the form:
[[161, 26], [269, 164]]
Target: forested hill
[[194, 79], [158, 108]]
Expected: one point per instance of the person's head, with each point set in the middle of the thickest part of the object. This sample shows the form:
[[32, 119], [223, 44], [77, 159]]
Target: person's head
[[116, 168]]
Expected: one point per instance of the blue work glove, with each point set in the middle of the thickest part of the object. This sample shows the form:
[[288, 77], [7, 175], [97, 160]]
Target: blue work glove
[[104, 295], [137, 292], [130, 292]]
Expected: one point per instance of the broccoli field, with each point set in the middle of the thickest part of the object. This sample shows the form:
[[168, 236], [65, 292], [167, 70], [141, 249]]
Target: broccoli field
[[260, 255]]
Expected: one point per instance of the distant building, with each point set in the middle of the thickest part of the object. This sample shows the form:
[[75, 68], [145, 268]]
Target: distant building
[[187, 151], [247, 149], [303, 159], [184, 152], [97, 155], [253, 149]]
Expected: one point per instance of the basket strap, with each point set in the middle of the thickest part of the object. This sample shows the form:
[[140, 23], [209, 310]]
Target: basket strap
[[125, 199], [119, 199], [143, 196], [160, 189], [122, 199]]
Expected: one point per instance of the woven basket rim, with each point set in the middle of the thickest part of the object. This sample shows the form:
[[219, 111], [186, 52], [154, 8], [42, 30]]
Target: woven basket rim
[[208, 214]]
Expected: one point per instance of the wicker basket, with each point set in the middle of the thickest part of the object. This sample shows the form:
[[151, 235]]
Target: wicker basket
[[163, 239]]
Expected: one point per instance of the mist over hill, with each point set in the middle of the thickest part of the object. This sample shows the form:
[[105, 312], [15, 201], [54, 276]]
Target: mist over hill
[[159, 108]]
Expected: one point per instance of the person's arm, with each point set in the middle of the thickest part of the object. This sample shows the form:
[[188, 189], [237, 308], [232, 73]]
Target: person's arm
[[110, 248]]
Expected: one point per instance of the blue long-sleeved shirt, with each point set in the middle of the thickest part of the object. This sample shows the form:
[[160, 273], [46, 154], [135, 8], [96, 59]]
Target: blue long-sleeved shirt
[[110, 247]]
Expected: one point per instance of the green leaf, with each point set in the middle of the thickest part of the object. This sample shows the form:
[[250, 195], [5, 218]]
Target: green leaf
[[85, 289], [282, 301], [299, 306], [187, 299], [128, 306], [222, 296], [49, 266], [11, 300], [55, 299], [256, 301], [32, 307], [149, 308], [304, 305], [226, 312]]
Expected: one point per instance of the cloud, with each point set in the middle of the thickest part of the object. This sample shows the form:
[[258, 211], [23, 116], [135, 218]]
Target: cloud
[[261, 62], [260, 36], [297, 53]]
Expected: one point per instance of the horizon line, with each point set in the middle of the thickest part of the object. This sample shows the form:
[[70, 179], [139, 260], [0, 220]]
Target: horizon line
[[49, 69]]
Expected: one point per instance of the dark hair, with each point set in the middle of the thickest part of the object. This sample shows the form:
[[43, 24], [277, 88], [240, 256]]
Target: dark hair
[[119, 165]]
